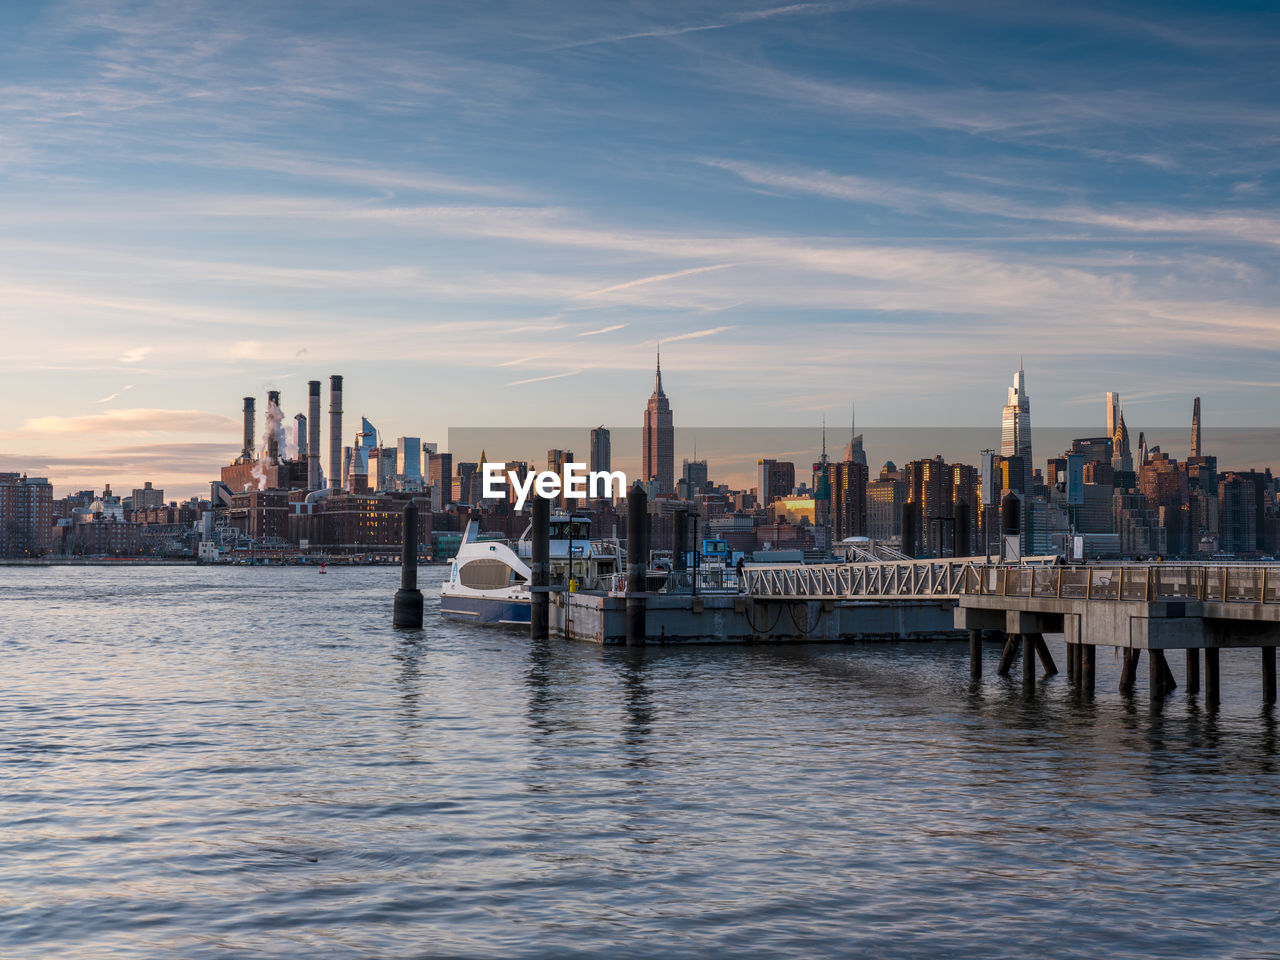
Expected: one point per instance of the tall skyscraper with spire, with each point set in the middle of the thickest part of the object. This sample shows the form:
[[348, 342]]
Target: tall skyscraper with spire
[[1195, 428], [659, 437], [1015, 432], [854, 453]]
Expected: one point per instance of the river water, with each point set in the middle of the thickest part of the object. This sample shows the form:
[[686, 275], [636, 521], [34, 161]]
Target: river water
[[211, 762]]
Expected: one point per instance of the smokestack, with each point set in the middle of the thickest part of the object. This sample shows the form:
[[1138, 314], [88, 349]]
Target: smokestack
[[313, 443], [335, 432], [247, 452], [1195, 428], [300, 435], [273, 431]]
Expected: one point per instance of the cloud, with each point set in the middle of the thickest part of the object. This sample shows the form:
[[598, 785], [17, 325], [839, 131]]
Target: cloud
[[595, 333], [113, 396], [133, 421], [659, 278], [749, 16], [135, 355], [553, 376], [697, 334]]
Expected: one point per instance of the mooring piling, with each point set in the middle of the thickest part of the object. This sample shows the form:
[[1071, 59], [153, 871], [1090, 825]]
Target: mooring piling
[[540, 570], [637, 562], [407, 608], [975, 654]]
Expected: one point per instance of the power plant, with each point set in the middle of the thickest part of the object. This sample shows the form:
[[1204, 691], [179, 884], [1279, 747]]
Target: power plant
[[285, 461]]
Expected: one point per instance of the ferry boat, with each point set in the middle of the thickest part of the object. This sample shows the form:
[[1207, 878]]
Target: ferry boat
[[488, 579]]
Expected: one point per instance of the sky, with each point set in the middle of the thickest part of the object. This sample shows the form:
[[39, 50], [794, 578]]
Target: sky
[[488, 214]]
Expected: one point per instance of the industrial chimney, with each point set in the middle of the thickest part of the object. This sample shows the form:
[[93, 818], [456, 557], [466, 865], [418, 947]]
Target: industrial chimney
[[300, 435], [273, 426], [247, 452], [335, 431], [313, 433]]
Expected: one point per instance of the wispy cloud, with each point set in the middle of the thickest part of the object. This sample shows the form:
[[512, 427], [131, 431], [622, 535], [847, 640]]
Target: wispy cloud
[[697, 334], [135, 355], [596, 333], [109, 398], [553, 376], [735, 20], [132, 421]]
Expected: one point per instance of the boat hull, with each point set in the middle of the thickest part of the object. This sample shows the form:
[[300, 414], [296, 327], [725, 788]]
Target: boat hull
[[489, 610]]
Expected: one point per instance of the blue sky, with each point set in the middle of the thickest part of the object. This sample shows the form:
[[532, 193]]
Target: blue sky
[[487, 214]]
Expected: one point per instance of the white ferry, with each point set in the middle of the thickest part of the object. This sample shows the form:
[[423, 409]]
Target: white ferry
[[488, 580]]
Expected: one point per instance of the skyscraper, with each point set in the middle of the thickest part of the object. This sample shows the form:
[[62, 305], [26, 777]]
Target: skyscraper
[[1015, 433], [1113, 412], [409, 460], [659, 438], [854, 453], [1195, 428], [601, 451]]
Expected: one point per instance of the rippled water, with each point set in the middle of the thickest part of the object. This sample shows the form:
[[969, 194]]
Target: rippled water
[[251, 762]]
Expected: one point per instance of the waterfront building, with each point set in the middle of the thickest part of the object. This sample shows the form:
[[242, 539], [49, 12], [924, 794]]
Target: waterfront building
[[26, 516]]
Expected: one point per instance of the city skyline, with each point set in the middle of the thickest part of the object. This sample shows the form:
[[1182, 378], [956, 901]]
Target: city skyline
[[529, 199]]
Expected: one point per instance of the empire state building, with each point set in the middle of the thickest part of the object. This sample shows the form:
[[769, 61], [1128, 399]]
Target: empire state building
[[659, 437]]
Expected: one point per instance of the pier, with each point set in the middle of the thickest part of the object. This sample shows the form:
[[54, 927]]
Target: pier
[[1140, 608]]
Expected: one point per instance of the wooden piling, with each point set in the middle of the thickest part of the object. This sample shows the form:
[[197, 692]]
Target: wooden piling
[[1046, 658], [1008, 653], [1268, 675], [1071, 663], [1211, 698], [975, 654], [1088, 666], [1193, 671], [1029, 658]]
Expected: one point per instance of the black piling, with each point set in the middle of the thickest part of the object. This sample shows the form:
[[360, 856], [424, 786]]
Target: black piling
[[1193, 671], [1007, 654], [1029, 658], [975, 654], [1046, 658], [540, 570], [637, 563], [1088, 666], [1211, 698], [1268, 675], [1159, 675], [1129, 672], [407, 609]]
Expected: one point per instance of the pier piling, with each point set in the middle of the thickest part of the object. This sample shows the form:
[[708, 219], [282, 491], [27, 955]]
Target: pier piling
[[540, 570], [637, 562], [1193, 671], [975, 654], [1129, 672], [1042, 651], [1088, 666], [407, 607], [1007, 654], [1268, 675], [1029, 658], [1211, 698], [1159, 675]]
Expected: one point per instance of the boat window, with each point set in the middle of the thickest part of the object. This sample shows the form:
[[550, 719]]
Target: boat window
[[581, 529], [485, 574]]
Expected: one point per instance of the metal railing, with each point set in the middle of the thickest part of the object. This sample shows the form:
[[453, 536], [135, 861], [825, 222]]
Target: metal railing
[[1147, 582], [898, 580]]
